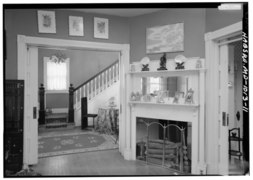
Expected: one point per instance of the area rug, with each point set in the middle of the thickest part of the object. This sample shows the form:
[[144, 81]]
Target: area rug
[[74, 143]]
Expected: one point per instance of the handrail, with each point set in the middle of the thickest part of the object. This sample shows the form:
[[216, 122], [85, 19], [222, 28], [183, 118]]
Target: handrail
[[96, 75]]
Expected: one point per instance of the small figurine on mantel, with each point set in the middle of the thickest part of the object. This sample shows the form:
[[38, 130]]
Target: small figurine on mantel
[[162, 63], [180, 60], [145, 62]]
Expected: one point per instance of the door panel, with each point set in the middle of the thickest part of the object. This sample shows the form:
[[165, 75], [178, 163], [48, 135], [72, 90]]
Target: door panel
[[31, 109], [223, 113]]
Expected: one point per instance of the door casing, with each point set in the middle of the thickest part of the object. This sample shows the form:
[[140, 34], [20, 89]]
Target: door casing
[[30, 129], [212, 95]]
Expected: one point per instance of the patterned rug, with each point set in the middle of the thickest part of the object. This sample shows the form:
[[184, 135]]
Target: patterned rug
[[74, 143]]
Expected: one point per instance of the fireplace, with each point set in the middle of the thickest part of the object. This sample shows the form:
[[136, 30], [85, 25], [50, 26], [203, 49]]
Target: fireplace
[[164, 143]]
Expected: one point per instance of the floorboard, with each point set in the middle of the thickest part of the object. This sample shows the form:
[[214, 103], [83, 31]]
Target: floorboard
[[100, 163]]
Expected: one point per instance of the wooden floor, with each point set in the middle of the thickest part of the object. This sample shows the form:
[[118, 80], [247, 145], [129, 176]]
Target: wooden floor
[[99, 163]]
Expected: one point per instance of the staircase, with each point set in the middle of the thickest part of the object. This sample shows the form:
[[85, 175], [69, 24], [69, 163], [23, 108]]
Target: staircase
[[95, 87]]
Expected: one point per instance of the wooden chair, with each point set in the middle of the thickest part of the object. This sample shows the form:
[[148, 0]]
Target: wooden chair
[[234, 135], [85, 115]]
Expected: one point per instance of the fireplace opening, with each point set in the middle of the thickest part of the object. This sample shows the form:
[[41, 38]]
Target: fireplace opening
[[164, 142]]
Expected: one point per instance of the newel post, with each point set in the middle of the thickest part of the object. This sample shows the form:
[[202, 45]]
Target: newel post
[[42, 104], [71, 103]]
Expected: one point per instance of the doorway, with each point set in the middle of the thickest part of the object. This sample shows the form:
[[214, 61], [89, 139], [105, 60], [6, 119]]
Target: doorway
[[217, 96], [27, 70]]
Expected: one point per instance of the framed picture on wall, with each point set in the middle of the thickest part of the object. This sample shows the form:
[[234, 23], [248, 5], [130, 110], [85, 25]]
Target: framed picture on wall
[[46, 22], [168, 38], [101, 28], [75, 26]]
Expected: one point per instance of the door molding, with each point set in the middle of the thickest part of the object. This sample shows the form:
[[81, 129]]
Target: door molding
[[212, 92], [23, 42]]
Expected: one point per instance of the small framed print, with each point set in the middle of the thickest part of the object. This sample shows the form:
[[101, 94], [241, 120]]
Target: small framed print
[[189, 97], [178, 96], [101, 28], [46, 22], [75, 26]]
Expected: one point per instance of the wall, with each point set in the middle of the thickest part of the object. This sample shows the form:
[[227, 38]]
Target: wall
[[194, 29], [216, 19], [24, 22]]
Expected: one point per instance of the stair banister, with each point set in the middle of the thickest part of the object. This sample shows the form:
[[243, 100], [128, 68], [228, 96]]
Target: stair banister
[[71, 103], [96, 84]]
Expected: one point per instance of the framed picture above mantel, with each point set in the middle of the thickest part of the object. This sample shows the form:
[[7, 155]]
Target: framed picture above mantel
[[167, 38]]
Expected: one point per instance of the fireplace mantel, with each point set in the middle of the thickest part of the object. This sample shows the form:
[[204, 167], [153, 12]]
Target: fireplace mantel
[[193, 113]]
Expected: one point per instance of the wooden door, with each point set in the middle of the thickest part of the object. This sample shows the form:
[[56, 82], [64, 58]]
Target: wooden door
[[223, 110], [13, 125], [31, 108]]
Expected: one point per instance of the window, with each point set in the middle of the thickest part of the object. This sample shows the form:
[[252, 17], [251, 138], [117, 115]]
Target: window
[[56, 75], [155, 84]]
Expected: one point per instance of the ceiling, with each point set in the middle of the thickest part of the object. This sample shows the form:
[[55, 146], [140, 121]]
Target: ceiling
[[119, 12]]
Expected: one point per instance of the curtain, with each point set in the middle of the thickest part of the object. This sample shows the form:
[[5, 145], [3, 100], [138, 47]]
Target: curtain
[[56, 76]]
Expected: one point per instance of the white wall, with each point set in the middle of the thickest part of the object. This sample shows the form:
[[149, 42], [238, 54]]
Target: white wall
[[99, 101]]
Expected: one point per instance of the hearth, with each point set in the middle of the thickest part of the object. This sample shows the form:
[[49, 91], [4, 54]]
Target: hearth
[[164, 143]]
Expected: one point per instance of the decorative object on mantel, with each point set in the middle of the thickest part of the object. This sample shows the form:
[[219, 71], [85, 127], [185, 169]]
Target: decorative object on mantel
[[162, 63], [132, 97], [180, 60], [46, 22], [189, 97], [145, 62], [101, 28], [167, 38], [58, 58], [161, 96], [75, 26], [178, 95], [198, 64]]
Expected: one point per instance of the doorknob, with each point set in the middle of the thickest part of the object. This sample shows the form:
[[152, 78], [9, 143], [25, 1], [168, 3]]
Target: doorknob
[[224, 119], [238, 116]]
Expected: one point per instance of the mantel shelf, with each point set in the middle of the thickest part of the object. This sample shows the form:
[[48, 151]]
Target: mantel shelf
[[180, 72], [163, 104]]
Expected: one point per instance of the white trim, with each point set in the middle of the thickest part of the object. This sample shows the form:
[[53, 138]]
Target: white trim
[[212, 92], [25, 41], [226, 31]]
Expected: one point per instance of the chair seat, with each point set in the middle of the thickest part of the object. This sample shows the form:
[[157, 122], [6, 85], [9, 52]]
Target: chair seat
[[90, 115]]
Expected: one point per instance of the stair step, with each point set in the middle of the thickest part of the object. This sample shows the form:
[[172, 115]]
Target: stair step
[[57, 118], [56, 125]]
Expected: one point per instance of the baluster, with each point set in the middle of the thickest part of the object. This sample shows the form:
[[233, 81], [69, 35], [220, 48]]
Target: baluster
[[106, 83], [109, 77], [84, 88], [117, 71], [113, 73], [76, 98], [88, 90], [95, 86], [91, 89], [80, 94], [103, 81], [99, 83]]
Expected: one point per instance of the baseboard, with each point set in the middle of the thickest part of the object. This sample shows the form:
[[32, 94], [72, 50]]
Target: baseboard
[[60, 110], [127, 154]]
